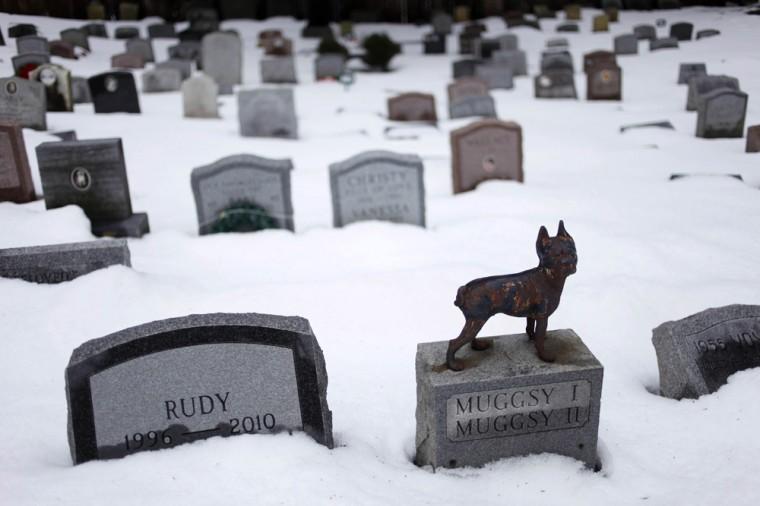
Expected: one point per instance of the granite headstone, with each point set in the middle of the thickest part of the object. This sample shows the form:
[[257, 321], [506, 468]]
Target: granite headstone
[[114, 92], [700, 86], [278, 70], [721, 114], [15, 176], [160, 80], [57, 83], [753, 139], [222, 60], [626, 44], [681, 31], [412, 107], [200, 97], [555, 84], [76, 37], [267, 113], [142, 47], [687, 71], [23, 101]]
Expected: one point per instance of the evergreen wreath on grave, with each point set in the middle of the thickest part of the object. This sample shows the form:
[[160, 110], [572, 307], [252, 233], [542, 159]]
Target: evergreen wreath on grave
[[380, 50], [243, 216]]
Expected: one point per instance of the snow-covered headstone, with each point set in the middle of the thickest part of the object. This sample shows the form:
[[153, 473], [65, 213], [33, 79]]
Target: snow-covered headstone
[[486, 150], [244, 190], [378, 185], [508, 402], [267, 113], [169, 382], [697, 354], [58, 263], [91, 174], [721, 114]]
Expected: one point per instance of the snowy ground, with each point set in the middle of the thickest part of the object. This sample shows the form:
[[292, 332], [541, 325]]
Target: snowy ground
[[649, 251]]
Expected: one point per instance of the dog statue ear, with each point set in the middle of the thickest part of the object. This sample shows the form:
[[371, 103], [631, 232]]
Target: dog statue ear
[[561, 230], [543, 241]]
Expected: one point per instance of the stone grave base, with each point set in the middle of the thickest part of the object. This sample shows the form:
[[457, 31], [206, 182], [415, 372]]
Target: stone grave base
[[507, 402], [134, 226]]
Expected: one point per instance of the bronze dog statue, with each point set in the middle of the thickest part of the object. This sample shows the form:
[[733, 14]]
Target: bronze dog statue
[[533, 294]]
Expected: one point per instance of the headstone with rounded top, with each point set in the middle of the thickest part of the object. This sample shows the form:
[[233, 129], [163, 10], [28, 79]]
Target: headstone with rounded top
[[222, 60], [412, 107], [687, 71], [721, 114], [142, 47], [681, 31], [267, 113], [200, 97], [701, 85]]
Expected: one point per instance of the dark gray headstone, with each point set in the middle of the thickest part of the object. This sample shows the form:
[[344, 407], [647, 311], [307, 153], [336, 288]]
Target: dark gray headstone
[[245, 185], [497, 76], [203, 20], [515, 59], [709, 32], [66, 135], [721, 114], [555, 84], [162, 31], [141, 47], [484, 48], [508, 402], [557, 42], [200, 97], [267, 113], [441, 23], [95, 30], [645, 32], [557, 61], [508, 42], [57, 263], [464, 68], [700, 86], [687, 71], [91, 174], [176, 381], [696, 355], [485, 150], [23, 64], [80, 90], [483, 106], [434, 44], [681, 31], [160, 80], [626, 44], [76, 37], [23, 101], [378, 185], [652, 124], [15, 175], [127, 61], [567, 27], [21, 30], [114, 92], [329, 66], [57, 83], [222, 60], [278, 70], [664, 43], [184, 67], [126, 32], [32, 44]]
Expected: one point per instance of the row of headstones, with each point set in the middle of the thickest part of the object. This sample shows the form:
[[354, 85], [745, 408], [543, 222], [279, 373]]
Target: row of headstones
[[245, 192], [720, 104], [277, 380]]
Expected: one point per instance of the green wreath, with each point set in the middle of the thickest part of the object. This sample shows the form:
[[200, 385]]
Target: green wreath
[[243, 216]]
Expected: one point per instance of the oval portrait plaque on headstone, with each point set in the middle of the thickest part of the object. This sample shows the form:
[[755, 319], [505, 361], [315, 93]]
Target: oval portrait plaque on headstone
[[175, 381]]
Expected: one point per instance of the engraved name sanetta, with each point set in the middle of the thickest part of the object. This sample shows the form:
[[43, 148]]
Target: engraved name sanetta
[[517, 411]]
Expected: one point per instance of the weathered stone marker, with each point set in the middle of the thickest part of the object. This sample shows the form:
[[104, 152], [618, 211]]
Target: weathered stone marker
[[267, 113], [696, 355], [507, 402], [23, 101], [278, 70], [555, 84], [484, 150], [753, 139], [15, 176], [114, 92], [604, 82], [702, 85], [378, 185], [412, 107], [688, 70], [721, 114], [222, 59], [199, 97], [243, 193], [57, 263], [179, 380]]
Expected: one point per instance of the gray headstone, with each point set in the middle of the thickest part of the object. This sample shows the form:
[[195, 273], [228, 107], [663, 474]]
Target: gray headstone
[[278, 70], [57, 83], [80, 90], [158, 80], [127, 61], [508, 402], [162, 31], [485, 150], [144, 389], [441, 23], [378, 185], [483, 106], [434, 44], [709, 32], [76, 37], [142, 47], [497, 75], [95, 30], [184, 67], [32, 60], [222, 60], [567, 27], [626, 44], [464, 68], [467, 87], [91, 174], [681, 31], [126, 32], [664, 43], [721, 114], [696, 355], [508, 42], [557, 61], [200, 97], [32, 44], [688, 70], [23, 101], [243, 184], [57, 263], [267, 113], [484, 48], [555, 84], [186, 50], [329, 66], [515, 59], [558, 42], [700, 86], [645, 32]]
